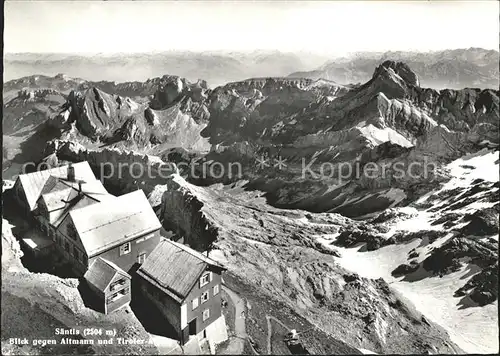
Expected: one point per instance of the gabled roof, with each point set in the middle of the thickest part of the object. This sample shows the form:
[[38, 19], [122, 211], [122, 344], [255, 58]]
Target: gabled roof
[[114, 221], [73, 203], [60, 197], [101, 272], [91, 187], [56, 199], [53, 184], [175, 268], [33, 183]]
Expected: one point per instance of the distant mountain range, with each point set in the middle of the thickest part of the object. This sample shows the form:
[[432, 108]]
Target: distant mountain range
[[455, 69], [215, 67]]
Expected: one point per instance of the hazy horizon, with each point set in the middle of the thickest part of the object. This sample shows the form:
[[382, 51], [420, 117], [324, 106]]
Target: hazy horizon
[[241, 52], [321, 28]]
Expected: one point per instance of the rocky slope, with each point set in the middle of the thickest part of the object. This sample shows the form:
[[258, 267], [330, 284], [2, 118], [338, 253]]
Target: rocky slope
[[443, 250], [28, 108], [293, 267], [120, 170], [442, 253], [166, 112]]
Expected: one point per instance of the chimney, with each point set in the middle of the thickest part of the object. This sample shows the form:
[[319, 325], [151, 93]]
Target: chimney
[[71, 173]]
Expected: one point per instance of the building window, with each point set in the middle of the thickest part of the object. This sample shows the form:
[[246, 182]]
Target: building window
[[141, 258], [117, 284], [206, 314], [66, 246], [71, 231], [204, 297], [125, 248], [195, 303], [76, 253], [216, 289], [205, 279], [115, 296]]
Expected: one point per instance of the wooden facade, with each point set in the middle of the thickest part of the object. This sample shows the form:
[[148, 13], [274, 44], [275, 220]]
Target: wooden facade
[[109, 284], [203, 304], [116, 299], [189, 303]]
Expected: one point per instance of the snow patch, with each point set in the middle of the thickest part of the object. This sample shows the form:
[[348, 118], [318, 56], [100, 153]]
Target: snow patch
[[366, 352], [378, 136], [480, 165], [472, 329]]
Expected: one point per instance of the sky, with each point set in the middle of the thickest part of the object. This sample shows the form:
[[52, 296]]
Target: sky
[[327, 27]]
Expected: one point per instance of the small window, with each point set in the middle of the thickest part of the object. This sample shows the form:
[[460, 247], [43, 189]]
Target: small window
[[204, 297], [114, 297], [141, 258], [195, 303], [117, 295], [205, 279], [206, 314], [66, 246], [117, 284], [125, 248], [76, 253], [216, 289], [70, 230]]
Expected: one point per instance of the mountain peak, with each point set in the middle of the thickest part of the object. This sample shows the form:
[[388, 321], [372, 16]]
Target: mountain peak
[[401, 69]]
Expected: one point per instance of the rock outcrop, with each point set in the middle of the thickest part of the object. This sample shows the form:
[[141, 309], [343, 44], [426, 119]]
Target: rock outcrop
[[120, 170], [483, 222]]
